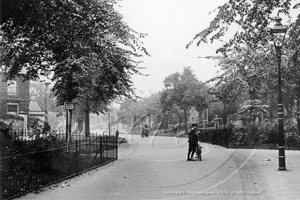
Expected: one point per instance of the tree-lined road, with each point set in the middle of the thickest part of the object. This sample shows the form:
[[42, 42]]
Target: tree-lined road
[[156, 168]]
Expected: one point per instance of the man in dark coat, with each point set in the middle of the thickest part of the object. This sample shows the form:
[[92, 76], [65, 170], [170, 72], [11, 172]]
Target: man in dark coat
[[193, 142]]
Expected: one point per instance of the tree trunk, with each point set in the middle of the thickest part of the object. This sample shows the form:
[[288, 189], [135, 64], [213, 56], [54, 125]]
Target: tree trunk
[[298, 111], [179, 118], [87, 119], [87, 123], [185, 122], [224, 115]]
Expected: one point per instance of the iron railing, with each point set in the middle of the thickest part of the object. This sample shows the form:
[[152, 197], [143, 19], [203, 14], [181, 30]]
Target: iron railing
[[266, 140], [29, 171], [215, 136]]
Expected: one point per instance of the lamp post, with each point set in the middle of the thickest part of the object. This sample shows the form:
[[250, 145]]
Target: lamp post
[[278, 33]]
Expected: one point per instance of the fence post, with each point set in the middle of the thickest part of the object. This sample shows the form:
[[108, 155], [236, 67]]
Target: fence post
[[86, 140], [76, 156], [101, 148], [106, 138], [36, 172], [116, 147], [226, 139], [220, 137]]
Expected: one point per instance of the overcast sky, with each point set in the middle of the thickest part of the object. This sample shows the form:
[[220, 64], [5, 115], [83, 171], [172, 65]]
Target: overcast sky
[[170, 25]]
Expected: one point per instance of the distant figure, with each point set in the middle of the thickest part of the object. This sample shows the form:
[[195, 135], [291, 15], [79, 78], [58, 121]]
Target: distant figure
[[117, 133], [145, 131]]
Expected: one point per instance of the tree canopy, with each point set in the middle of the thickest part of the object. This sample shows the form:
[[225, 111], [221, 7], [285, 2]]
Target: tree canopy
[[147, 107], [84, 46], [254, 18], [183, 91], [248, 60]]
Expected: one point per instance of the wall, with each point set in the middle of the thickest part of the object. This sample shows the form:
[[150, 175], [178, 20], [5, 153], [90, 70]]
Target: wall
[[22, 97]]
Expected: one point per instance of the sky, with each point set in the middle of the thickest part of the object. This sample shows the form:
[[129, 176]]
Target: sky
[[170, 25]]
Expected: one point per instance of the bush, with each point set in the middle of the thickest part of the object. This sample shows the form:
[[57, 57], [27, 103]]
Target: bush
[[292, 138], [264, 135], [39, 151], [254, 135]]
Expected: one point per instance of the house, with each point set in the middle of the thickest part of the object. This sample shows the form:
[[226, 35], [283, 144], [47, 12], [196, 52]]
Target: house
[[14, 95], [35, 112], [14, 100], [193, 115], [15, 104]]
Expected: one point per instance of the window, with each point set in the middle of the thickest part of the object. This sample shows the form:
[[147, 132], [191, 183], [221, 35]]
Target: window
[[12, 88], [12, 108]]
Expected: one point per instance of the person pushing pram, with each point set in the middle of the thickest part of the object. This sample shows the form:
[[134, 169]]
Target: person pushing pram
[[145, 131]]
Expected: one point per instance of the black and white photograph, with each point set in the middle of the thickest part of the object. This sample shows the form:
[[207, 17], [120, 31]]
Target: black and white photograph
[[149, 99]]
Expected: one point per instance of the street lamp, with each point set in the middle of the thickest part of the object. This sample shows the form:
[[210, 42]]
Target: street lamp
[[278, 33]]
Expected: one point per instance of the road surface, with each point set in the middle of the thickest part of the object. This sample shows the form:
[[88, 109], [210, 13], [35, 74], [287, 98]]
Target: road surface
[[156, 168]]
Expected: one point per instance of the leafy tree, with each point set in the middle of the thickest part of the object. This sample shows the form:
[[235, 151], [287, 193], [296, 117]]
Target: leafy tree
[[252, 74], [291, 76], [253, 110], [183, 91], [84, 45], [253, 17], [241, 74], [41, 93], [143, 111]]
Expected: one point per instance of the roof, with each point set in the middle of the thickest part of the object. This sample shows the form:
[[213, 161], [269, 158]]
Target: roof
[[34, 107], [35, 110]]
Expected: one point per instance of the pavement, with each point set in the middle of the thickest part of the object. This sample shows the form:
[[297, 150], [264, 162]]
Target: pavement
[[156, 168]]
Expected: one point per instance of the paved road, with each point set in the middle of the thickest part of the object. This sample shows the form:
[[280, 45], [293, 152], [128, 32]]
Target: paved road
[[156, 168]]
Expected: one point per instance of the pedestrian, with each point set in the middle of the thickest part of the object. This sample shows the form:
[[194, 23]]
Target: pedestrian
[[146, 130], [193, 142], [117, 133]]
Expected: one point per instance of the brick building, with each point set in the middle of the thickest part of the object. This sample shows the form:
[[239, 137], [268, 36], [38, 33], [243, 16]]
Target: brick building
[[14, 96], [14, 100]]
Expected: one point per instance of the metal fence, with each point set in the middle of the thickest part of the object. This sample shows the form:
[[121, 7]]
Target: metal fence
[[168, 131], [268, 140], [215, 136], [26, 166], [157, 132]]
